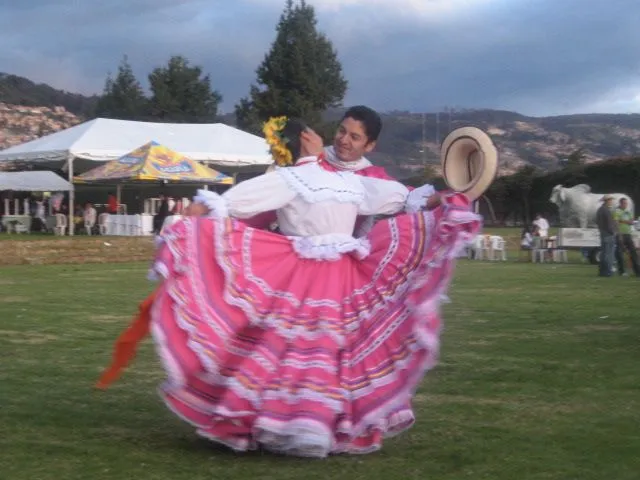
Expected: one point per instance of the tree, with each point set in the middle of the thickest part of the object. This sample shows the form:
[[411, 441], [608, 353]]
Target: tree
[[499, 194], [576, 158], [574, 166], [519, 189], [299, 77], [181, 94], [123, 97]]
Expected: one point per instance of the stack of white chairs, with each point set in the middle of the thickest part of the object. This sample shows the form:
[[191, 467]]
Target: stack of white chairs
[[102, 223], [497, 248], [61, 224], [488, 247], [89, 223], [538, 250], [479, 249]]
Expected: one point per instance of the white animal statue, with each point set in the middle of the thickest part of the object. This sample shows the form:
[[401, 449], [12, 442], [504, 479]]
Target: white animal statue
[[578, 206]]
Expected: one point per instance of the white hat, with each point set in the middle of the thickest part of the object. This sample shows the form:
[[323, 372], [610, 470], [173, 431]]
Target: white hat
[[469, 161]]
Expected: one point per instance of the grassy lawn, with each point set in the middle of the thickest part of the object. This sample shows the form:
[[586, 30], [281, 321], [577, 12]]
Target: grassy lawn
[[26, 237], [538, 380]]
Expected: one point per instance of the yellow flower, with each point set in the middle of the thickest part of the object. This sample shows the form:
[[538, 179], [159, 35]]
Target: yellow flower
[[272, 133]]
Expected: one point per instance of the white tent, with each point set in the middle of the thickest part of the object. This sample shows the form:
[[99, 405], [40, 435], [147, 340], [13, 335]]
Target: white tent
[[102, 139], [221, 146], [33, 182]]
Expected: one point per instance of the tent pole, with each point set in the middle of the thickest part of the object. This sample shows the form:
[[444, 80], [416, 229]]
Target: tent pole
[[118, 196], [72, 194]]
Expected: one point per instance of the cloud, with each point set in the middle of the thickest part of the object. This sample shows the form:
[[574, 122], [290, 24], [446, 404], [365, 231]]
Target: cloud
[[537, 57], [424, 8], [543, 57]]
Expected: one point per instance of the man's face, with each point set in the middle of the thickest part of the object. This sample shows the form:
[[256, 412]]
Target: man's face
[[623, 204], [350, 141]]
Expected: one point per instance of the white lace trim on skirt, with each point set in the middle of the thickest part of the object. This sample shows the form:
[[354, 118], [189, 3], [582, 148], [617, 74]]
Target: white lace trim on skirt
[[330, 247]]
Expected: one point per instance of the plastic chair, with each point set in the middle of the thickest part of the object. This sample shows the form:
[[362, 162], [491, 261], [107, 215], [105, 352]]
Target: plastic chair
[[479, 247], [102, 223], [61, 224], [498, 246]]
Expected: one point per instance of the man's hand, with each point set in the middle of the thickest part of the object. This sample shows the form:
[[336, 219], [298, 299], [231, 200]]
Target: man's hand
[[311, 142], [196, 210], [433, 201]]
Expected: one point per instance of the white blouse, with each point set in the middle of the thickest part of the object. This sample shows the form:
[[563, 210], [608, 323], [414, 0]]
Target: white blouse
[[317, 207]]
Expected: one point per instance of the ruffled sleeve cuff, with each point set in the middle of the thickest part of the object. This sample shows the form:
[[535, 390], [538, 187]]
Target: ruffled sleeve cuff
[[417, 199], [216, 204]]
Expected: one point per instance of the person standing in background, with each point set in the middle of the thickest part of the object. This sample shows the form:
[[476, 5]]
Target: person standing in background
[[624, 220], [608, 231], [543, 226], [163, 213], [112, 203]]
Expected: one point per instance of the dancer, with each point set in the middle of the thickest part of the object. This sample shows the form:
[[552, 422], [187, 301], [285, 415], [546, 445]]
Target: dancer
[[356, 136], [306, 343]]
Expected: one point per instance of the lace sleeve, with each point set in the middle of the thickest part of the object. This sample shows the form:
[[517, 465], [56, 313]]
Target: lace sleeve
[[417, 199], [257, 195], [382, 197], [249, 198]]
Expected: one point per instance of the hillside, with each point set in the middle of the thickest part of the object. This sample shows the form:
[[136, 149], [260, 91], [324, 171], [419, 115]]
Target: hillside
[[544, 142], [29, 110], [541, 141], [17, 90], [19, 124]]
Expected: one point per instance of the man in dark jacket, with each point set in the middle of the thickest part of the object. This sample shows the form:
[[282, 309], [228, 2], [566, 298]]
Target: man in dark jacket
[[608, 231], [163, 213]]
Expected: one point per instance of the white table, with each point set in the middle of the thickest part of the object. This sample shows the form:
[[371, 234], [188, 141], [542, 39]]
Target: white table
[[9, 222], [129, 225]]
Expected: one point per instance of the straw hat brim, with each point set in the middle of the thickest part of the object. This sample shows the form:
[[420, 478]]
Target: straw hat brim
[[469, 161]]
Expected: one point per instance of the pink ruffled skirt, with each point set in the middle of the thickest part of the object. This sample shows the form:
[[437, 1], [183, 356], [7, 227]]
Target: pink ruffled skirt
[[302, 356]]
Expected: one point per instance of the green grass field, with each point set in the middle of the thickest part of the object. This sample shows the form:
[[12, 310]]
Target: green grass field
[[538, 380]]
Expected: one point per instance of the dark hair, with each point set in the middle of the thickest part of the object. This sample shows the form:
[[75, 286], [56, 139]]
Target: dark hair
[[370, 120], [291, 132]]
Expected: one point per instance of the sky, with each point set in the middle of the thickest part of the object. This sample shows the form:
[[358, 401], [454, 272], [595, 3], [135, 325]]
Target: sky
[[536, 57]]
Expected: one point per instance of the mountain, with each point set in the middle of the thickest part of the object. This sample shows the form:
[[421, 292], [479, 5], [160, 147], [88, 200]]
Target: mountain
[[544, 142], [19, 123], [17, 90], [408, 140]]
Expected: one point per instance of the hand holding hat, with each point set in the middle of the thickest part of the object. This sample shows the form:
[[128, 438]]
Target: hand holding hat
[[469, 161]]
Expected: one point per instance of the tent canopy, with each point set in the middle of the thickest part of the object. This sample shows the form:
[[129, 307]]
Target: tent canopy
[[33, 182], [153, 162], [105, 139]]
